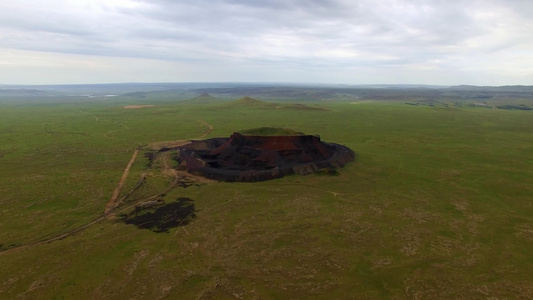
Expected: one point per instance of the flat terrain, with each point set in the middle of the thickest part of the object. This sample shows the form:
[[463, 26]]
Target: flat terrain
[[437, 204]]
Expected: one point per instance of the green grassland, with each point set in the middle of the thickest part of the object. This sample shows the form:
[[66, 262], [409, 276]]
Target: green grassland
[[437, 205]]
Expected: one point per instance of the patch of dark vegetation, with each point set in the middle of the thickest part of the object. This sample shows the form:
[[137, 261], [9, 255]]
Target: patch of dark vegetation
[[514, 107], [159, 217], [430, 103], [298, 106], [150, 156], [7, 247]]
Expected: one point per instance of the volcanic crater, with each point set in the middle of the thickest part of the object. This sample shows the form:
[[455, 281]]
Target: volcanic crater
[[248, 157]]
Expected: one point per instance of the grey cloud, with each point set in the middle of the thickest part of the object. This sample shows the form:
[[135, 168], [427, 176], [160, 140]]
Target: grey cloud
[[312, 33]]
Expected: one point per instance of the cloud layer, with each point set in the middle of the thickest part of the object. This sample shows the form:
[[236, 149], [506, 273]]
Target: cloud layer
[[342, 41]]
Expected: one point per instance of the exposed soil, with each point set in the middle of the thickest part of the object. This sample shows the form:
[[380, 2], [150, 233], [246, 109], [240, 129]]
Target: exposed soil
[[136, 106], [161, 147], [188, 177], [208, 131], [113, 201], [157, 146]]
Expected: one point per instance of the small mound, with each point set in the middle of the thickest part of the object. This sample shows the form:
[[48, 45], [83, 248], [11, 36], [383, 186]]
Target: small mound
[[248, 101], [270, 131], [203, 99]]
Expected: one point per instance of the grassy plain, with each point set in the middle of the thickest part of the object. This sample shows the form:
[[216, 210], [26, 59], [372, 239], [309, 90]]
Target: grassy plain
[[437, 205]]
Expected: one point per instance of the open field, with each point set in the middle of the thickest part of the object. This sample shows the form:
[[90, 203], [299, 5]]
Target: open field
[[437, 205]]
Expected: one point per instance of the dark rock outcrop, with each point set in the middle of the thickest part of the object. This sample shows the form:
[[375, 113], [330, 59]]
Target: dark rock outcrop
[[258, 158]]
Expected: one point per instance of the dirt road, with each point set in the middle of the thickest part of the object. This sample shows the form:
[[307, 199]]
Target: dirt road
[[208, 130], [112, 205], [112, 202]]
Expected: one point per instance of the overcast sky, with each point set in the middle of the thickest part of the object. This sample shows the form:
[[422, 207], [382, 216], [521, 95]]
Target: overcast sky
[[485, 42]]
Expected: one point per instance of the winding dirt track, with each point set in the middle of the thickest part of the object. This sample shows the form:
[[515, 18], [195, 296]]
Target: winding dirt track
[[112, 202], [112, 206], [208, 130]]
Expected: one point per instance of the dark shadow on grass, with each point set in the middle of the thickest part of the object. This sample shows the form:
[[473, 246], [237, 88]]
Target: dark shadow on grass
[[164, 217]]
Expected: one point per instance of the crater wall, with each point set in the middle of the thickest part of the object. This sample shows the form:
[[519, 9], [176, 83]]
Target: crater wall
[[252, 158]]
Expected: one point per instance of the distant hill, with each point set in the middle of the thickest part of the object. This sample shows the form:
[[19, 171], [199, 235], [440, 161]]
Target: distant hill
[[200, 93], [204, 98], [136, 94], [247, 101], [505, 88], [24, 92]]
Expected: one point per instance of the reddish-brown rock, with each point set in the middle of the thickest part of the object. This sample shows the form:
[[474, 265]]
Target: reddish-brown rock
[[257, 158]]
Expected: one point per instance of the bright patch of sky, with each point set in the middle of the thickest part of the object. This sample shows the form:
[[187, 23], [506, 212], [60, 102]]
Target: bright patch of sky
[[483, 42]]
